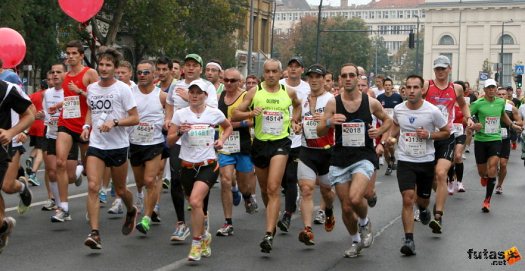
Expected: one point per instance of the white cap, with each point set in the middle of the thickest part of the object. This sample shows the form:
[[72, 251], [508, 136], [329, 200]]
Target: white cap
[[200, 84], [441, 62], [490, 82]]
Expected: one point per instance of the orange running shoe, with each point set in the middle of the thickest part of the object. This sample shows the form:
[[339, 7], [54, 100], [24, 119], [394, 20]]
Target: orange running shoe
[[486, 206]]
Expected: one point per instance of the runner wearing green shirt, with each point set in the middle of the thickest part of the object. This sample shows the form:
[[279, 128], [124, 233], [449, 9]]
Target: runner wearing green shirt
[[490, 111]]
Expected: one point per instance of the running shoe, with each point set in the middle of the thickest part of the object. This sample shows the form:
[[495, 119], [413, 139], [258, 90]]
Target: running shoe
[[33, 180], [93, 241], [102, 196], [408, 248], [131, 220], [205, 245], [486, 206], [155, 217], [254, 200], [381, 161], [372, 201], [436, 226], [329, 223], [388, 171], [416, 215], [25, 197], [467, 150], [367, 237], [307, 237], [196, 251], [284, 222], [78, 172], [266, 243], [250, 206], [140, 204], [50, 205], [354, 250], [165, 183], [225, 230], [4, 237], [484, 181], [29, 165], [236, 195], [425, 216], [117, 207], [461, 188], [320, 217], [499, 190], [144, 225], [60, 216], [181, 232], [450, 188]]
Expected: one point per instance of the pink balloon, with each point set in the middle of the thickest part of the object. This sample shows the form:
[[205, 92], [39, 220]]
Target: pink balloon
[[12, 47], [81, 10]]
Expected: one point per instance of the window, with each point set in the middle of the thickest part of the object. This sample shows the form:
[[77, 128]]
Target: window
[[385, 14], [507, 68], [507, 39], [446, 40]]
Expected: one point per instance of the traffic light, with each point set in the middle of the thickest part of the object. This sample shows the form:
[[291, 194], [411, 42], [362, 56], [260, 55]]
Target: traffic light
[[519, 79], [411, 40]]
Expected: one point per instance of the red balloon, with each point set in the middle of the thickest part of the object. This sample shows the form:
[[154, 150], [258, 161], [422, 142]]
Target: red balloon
[[81, 10], [12, 47]]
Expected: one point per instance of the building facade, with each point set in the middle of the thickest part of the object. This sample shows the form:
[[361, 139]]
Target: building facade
[[470, 33]]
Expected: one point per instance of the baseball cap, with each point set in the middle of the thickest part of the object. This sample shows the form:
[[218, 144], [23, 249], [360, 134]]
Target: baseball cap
[[297, 59], [441, 62], [203, 86], [195, 57], [316, 68], [490, 83]]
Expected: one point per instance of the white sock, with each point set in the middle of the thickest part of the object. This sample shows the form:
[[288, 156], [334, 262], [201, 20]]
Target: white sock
[[64, 206], [363, 222], [167, 170], [105, 189], [22, 187], [356, 238], [78, 171], [54, 190], [140, 195], [235, 188]]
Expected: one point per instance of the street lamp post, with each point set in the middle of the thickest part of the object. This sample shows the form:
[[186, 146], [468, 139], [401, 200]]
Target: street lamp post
[[250, 41], [500, 79], [417, 45], [318, 32], [273, 27]]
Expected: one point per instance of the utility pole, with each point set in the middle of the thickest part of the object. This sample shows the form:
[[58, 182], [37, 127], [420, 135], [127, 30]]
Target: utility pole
[[318, 32], [417, 46], [250, 41]]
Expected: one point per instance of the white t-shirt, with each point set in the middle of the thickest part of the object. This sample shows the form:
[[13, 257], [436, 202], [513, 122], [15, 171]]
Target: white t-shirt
[[309, 126], [179, 103], [52, 96], [197, 144], [377, 91], [302, 90], [14, 116], [151, 114], [108, 103], [410, 148]]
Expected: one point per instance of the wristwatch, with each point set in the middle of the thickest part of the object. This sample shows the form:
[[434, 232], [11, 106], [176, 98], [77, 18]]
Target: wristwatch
[[115, 121], [383, 143]]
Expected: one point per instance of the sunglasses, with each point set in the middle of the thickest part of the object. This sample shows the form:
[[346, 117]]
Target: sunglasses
[[227, 80], [348, 75], [143, 72]]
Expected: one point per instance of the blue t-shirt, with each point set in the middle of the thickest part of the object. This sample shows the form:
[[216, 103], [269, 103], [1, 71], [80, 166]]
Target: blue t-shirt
[[390, 102], [10, 77]]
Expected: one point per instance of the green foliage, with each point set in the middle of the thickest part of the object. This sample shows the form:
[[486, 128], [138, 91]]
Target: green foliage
[[405, 60], [379, 57]]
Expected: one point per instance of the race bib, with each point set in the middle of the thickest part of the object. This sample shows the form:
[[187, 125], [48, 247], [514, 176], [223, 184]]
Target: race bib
[[504, 133], [310, 127], [492, 125], [415, 146], [353, 134], [143, 132], [272, 122], [52, 125], [71, 107], [232, 143], [201, 135], [390, 112], [458, 129]]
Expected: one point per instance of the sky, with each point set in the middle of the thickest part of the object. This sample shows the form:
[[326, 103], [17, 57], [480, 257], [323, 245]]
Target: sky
[[338, 2]]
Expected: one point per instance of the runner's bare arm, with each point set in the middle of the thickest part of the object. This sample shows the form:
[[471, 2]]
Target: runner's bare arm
[[460, 99], [227, 130], [168, 115], [87, 125], [425, 88], [163, 96], [516, 116], [326, 120], [443, 133], [242, 111], [25, 121], [379, 112]]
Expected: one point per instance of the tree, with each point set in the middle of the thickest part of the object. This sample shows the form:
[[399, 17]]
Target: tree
[[404, 60], [379, 60], [336, 48]]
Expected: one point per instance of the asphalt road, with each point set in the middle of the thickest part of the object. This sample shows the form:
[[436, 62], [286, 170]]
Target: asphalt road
[[38, 244]]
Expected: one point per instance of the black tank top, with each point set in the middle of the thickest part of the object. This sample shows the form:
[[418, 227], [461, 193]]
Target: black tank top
[[344, 156], [244, 132]]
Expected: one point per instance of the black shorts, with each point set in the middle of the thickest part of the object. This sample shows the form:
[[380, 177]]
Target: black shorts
[[316, 159], [37, 142], [290, 173], [410, 175], [445, 148], [111, 158], [505, 148], [461, 139], [76, 137], [51, 149], [139, 154], [263, 151], [484, 150], [207, 174], [14, 150], [3, 170], [165, 152]]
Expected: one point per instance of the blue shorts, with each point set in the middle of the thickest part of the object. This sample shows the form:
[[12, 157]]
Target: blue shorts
[[340, 175], [242, 162]]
